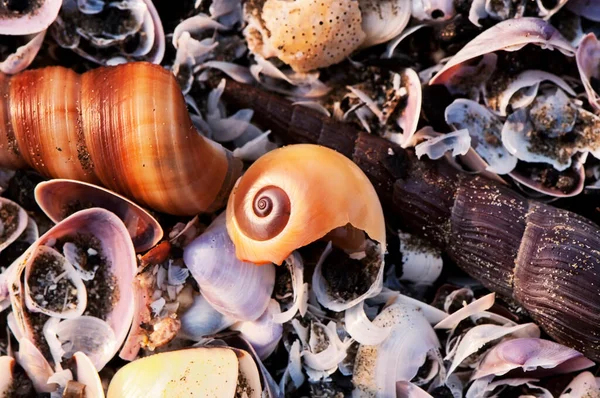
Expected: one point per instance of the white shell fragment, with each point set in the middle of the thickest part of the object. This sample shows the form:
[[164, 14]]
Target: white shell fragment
[[522, 90], [421, 263], [48, 278], [13, 221], [300, 303], [35, 19], [361, 329], [382, 20], [509, 35], [438, 10], [399, 357], [333, 300], [485, 130], [588, 64], [535, 134], [583, 385], [24, 55], [457, 142]]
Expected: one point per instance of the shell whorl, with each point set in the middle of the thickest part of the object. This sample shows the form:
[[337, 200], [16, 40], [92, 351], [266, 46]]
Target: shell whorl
[[285, 201], [270, 213], [126, 127]]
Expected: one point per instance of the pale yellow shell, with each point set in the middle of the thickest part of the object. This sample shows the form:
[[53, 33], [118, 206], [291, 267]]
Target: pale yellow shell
[[325, 191]]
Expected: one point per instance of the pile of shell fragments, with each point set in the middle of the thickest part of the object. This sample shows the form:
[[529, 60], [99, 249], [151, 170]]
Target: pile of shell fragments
[[510, 89]]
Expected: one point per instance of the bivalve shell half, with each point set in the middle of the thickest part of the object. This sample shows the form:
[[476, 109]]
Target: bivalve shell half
[[204, 371], [59, 198], [13, 221], [110, 291]]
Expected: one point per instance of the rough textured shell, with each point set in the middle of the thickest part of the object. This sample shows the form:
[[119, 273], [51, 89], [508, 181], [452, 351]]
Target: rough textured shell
[[325, 190]]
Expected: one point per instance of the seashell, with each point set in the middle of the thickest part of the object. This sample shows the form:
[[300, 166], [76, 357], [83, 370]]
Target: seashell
[[382, 20], [529, 354], [89, 148], [587, 64], [60, 198], [377, 368], [438, 10], [278, 206], [88, 375], [135, 31], [13, 221], [10, 374], [35, 366], [485, 130], [534, 134], [53, 277], [201, 320], [235, 288], [112, 299], [484, 226], [514, 34], [204, 371], [583, 385], [23, 55], [263, 334], [336, 29], [23, 18]]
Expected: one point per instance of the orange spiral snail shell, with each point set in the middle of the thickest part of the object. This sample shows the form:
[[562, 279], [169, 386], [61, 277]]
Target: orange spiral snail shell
[[125, 127]]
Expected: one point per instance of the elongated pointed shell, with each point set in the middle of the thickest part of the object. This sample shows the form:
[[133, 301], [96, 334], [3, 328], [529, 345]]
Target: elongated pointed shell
[[295, 195], [60, 198], [199, 372]]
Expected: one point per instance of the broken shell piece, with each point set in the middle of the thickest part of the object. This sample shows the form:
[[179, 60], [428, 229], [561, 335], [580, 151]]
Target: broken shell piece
[[531, 354], [136, 32], [33, 18], [546, 180], [86, 334], [485, 130], [263, 334], [588, 64], [23, 55], [205, 371], [583, 385], [238, 289], [87, 383], [382, 20], [399, 356], [521, 91], [509, 35], [458, 143], [13, 221], [408, 119], [59, 198], [551, 131], [35, 365], [438, 10], [305, 34], [49, 278], [277, 206], [341, 281], [110, 243], [13, 380]]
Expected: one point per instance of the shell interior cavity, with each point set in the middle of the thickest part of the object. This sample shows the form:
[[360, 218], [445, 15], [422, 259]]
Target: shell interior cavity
[[59, 198]]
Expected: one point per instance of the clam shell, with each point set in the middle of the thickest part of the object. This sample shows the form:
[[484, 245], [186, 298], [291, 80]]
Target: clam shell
[[203, 371], [117, 249], [59, 197], [37, 19]]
